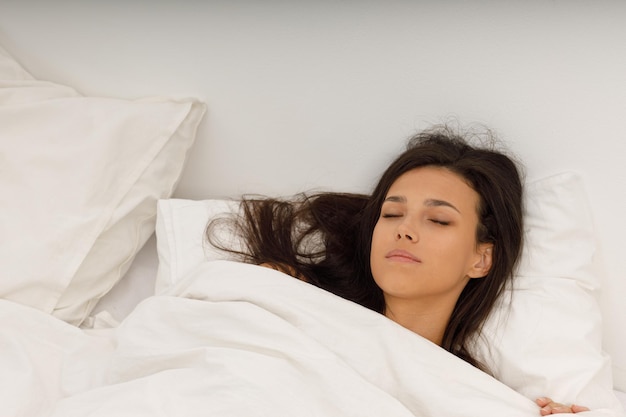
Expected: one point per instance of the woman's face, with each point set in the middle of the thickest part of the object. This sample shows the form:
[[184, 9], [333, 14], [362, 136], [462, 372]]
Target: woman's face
[[424, 244]]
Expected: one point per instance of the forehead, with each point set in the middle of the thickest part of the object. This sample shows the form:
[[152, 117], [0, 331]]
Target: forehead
[[432, 182]]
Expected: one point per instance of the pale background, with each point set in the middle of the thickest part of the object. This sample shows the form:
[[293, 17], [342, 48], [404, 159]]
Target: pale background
[[321, 94]]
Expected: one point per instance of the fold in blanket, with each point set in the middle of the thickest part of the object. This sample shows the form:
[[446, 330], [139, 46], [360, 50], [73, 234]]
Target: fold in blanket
[[233, 340]]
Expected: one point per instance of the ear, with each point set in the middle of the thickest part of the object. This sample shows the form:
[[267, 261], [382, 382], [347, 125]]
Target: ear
[[483, 262]]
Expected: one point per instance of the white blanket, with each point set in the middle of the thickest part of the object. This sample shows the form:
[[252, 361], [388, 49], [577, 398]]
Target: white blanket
[[239, 340]]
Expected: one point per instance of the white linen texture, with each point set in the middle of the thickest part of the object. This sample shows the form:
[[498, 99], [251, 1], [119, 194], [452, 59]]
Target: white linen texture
[[233, 339], [79, 180], [542, 339]]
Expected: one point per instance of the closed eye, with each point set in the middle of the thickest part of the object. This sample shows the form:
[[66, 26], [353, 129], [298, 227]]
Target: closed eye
[[390, 215], [440, 222]]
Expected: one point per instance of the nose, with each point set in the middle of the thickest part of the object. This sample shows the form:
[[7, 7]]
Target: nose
[[405, 231], [406, 236]]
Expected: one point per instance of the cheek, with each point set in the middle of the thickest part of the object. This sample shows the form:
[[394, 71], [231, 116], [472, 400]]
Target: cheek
[[449, 251], [451, 243], [378, 239], [377, 246], [461, 249]]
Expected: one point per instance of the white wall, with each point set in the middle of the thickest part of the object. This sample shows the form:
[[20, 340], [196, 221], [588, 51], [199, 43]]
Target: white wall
[[322, 94]]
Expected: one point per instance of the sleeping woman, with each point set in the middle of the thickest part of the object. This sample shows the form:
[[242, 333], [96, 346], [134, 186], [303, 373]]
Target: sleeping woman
[[432, 248]]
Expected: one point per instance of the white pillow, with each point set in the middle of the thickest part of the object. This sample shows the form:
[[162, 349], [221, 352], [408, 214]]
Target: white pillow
[[181, 243], [546, 342], [545, 338], [79, 181]]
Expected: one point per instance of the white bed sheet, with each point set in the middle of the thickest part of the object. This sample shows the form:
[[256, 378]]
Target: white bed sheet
[[139, 284], [235, 339]]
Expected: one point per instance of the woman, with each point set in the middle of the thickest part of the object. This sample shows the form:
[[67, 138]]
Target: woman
[[431, 248]]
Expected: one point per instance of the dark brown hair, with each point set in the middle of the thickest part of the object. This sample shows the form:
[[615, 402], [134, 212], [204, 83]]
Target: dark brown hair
[[326, 238]]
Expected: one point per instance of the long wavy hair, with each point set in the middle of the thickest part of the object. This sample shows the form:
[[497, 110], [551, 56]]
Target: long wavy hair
[[325, 238]]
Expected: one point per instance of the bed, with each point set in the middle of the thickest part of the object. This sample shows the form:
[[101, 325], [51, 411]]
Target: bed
[[126, 127]]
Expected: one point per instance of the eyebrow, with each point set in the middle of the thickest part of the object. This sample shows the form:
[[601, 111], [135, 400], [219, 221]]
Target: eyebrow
[[431, 202]]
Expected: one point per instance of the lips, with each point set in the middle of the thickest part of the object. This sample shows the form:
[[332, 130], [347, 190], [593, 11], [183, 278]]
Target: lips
[[399, 255]]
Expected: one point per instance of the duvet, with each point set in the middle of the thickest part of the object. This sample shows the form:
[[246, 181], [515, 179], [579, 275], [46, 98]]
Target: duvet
[[239, 340]]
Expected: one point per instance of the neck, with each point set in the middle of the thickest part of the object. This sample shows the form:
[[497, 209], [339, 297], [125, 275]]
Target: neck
[[429, 323]]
